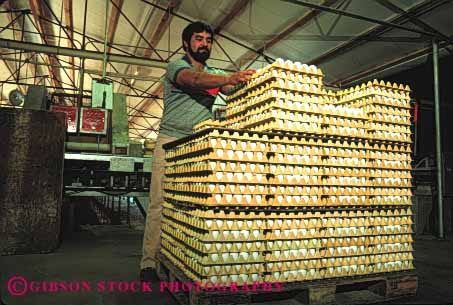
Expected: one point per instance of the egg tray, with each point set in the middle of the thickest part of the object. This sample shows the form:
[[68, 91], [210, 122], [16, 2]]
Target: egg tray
[[256, 213], [212, 189], [284, 100], [214, 258], [213, 154], [286, 201], [389, 119], [210, 236], [306, 219], [376, 83], [281, 65], [274, 113], [391, 136], [373, 96], [310, 104], [190, 269], [274, 117], [281, 126], [320, 170], [324, 268], [271, 220], [288, 138], [327, 114], [210, 164], [371, 109], [332, 252], [235, 172], [386, 203], [354, 260], [306, 250], [372, 200], [358, 255], [321, 264], [224, 230], [277, 82], [210, 123], [339, 272]]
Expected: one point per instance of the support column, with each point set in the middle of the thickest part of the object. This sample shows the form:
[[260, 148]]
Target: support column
[[439, 164]]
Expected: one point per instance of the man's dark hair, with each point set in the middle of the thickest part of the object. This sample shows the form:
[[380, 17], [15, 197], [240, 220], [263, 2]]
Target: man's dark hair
[[195, 27]]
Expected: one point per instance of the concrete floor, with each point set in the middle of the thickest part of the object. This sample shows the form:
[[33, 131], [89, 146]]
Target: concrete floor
[[112, 253]]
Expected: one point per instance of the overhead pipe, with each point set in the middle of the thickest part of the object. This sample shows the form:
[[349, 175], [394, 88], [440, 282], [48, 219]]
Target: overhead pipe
[[42, 48], [439, 164]]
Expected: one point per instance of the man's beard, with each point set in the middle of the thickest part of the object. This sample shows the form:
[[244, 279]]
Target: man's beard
[[200, 56]]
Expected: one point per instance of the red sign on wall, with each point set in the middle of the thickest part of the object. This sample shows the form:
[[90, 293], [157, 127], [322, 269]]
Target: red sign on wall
[[71, 116], [93, 120]]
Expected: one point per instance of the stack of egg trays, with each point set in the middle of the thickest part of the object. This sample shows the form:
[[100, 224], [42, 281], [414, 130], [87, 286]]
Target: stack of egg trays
[[217, 246], [219, 168], [286, 246], [361, 242], [387, 109], [308, 149], [334, 174], [216, 170], [279, 98], [390, 177], [310, 245]]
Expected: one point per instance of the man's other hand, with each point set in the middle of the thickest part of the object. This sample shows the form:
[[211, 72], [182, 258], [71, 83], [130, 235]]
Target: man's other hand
[[241, 76]]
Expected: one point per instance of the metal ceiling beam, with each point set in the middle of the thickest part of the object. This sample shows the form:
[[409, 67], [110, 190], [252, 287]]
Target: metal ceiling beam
[[353, 78], [38, 10], [155, 35], [359, 17], [306, 18], [414, 19], [155, 38], [47, 49], [376, 31], [75, 68], [14, 15], [67, 4], [338, 38], [52, 87], [113, 22], [162, 26]]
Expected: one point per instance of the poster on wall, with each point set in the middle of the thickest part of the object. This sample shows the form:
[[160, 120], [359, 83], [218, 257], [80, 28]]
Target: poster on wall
[[71, 116], [93, 121]]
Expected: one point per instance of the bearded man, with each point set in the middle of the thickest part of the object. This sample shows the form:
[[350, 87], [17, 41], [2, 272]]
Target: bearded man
[[190, 88]]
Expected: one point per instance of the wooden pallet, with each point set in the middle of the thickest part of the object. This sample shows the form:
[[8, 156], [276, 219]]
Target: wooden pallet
[[357, 290]]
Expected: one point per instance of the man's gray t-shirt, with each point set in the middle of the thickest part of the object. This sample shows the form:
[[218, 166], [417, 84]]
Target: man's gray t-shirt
[[184, 107]]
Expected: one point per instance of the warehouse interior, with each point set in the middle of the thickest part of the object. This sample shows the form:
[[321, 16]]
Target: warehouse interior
[[81, 104]]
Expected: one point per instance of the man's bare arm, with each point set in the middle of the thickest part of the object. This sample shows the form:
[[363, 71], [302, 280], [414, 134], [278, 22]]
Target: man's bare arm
[[205, 80]]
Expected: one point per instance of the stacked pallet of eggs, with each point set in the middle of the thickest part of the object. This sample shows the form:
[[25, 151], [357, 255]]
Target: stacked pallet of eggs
[[283, 96], [211, 183], [293, 235], [339, 229], [383, 164], [337, 187]]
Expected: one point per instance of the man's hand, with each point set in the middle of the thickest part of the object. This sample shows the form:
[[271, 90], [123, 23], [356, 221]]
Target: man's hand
[[241, 76]]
